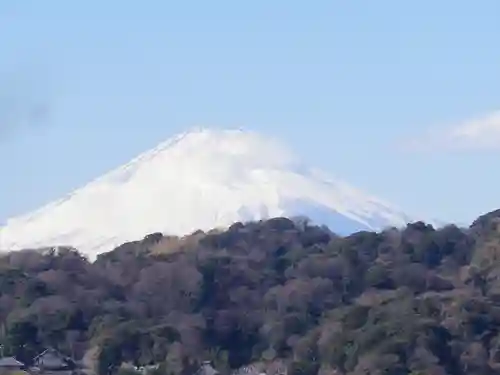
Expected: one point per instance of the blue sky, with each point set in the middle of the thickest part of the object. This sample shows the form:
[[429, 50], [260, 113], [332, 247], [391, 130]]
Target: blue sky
[[351, 86]]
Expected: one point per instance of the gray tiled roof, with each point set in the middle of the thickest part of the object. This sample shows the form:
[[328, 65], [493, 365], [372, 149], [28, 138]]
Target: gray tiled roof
[[10, 362]]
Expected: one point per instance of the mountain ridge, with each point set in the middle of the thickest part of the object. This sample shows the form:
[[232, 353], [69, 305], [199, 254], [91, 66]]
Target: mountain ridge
[[206, 178]]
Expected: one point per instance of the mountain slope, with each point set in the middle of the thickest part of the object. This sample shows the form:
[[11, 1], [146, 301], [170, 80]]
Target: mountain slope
[[197, 180]]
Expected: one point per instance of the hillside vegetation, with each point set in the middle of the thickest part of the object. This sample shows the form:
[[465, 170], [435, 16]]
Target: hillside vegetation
[[416, 300]]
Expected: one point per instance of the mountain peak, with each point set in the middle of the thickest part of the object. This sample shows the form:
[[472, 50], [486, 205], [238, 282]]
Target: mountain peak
[[200, 179], [203, 141]]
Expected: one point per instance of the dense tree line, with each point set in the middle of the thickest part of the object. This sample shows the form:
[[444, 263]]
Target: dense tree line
[[276, 294]]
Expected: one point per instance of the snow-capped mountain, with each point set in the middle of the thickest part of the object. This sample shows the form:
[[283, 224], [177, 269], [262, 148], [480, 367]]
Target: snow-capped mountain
[[198, 180]]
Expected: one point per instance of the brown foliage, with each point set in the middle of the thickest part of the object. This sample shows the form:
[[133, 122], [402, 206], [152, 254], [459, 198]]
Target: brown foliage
[[416, 300]]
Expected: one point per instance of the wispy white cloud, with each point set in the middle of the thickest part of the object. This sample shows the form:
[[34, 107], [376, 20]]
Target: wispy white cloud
[[481, 133]]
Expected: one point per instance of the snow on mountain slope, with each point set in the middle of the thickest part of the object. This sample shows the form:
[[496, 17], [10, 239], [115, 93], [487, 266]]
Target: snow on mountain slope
[[198, 180]]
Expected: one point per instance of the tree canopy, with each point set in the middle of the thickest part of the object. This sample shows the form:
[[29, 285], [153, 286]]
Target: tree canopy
[[276, 294]]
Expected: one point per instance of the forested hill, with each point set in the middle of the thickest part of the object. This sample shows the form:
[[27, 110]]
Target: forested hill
[[272, 293]]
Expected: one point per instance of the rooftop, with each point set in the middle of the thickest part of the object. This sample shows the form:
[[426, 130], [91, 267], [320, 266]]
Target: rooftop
[[10, 362]]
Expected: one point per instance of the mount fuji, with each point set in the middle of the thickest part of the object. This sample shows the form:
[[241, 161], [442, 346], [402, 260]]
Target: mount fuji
[[197, 180]]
